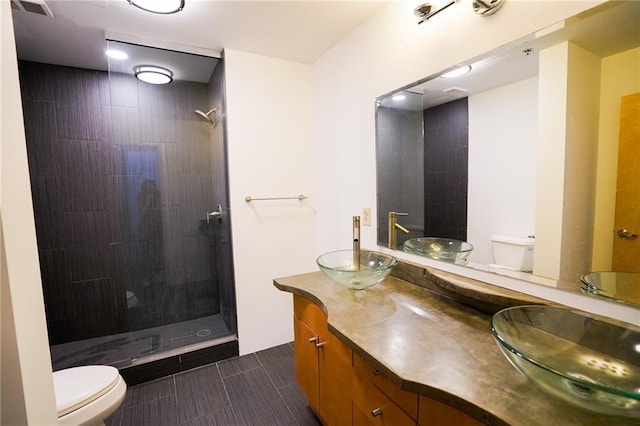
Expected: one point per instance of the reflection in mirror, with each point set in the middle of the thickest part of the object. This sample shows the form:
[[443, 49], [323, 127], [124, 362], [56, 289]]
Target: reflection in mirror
[[614, 285], [524, 145]]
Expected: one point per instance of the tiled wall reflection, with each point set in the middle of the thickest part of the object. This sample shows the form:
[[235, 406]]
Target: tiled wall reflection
[[400, 171], [121, 182], [446, 146]]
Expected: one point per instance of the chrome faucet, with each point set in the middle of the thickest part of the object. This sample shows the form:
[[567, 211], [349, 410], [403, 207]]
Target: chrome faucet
[[393, 225]]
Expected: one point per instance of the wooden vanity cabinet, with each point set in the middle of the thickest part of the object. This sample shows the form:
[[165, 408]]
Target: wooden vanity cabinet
[[435, 413], [306, 363], [323, 364], [378, 401], [344, 389]]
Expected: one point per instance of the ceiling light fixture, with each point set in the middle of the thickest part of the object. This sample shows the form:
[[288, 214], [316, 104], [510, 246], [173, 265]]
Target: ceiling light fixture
[[398, 97], [487, 7], [457, 72], [153, 75], [158, 6], [427, 10], [116, 54]]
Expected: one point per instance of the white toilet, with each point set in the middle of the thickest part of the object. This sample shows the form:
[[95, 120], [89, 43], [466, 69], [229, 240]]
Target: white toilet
[[88, 395], [513, 253]]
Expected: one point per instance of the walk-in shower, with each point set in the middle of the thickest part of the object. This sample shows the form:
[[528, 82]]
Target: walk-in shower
[[123, 176]]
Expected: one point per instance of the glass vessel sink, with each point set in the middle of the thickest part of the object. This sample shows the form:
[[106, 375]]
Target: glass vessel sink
[[588, 361], [439, 248], [338, 266], [619, 286]]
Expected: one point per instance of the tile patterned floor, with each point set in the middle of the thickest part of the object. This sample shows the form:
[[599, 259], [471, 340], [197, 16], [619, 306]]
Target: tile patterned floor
[[251, 390]]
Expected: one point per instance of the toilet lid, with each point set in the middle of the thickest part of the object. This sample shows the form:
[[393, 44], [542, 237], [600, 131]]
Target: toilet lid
[[77, 386]]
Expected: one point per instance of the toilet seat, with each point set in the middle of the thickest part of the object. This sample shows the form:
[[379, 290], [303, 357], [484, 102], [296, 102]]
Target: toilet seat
[[85, 394]]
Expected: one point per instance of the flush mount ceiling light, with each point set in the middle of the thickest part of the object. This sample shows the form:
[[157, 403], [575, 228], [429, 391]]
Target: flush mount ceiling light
[[153, 75], [398, 97], [159, 6], [457, 72]]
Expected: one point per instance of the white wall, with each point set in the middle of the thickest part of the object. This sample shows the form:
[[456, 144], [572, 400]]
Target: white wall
[[503, 141], [269, 119], [26, 382]]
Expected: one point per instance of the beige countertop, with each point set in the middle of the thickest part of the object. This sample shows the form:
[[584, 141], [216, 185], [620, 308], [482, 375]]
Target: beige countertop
[[437, 347]]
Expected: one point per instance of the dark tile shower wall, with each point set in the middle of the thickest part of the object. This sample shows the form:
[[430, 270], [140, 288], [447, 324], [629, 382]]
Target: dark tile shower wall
[[400, 177], [121, 181], [446, 148], [222, 228]]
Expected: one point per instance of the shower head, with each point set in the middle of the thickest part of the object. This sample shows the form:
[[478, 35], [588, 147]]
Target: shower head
[[204, 116]]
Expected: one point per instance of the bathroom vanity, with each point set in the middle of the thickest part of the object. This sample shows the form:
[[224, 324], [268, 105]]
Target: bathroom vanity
[[398, 353]]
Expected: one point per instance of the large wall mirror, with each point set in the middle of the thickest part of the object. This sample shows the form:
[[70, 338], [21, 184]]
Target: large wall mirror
[[525, 144]]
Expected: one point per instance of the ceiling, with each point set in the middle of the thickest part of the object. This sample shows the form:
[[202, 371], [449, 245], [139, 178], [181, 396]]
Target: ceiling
[[299, 31], [605, 30], [296, 30]]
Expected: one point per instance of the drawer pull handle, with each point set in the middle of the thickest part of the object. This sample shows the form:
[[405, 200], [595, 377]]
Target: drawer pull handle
[[313, 339], [320, 344], [376, 412], [376, 372]]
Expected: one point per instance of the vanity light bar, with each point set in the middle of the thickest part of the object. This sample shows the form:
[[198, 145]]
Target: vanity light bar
[[164, 7], [480, 7], [427, 10]]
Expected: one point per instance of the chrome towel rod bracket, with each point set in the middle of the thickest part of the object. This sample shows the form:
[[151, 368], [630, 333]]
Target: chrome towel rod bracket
[[300, 197]]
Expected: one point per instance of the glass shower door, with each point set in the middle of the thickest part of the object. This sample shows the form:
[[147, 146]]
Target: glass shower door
[[124, 173]]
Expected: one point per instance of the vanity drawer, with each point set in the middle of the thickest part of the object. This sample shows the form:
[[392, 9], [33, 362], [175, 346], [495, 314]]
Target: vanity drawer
[[372, 407], [408, 401], [435, 413]]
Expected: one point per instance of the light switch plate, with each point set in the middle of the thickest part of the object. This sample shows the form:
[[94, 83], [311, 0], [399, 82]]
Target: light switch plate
[[366, 216]]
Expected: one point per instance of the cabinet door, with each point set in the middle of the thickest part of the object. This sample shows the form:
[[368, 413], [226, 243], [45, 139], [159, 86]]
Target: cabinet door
[[309, 313], [435, 413], [306, 362], [336, 373]]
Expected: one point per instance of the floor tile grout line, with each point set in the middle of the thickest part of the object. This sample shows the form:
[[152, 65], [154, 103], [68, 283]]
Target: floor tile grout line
[[226, 392], [175, 394], [293, 416], [278, 390], [261, 366], [237, 373]]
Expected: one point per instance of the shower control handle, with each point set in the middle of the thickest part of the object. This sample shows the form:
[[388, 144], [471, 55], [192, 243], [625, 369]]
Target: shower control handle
[[217, 214]]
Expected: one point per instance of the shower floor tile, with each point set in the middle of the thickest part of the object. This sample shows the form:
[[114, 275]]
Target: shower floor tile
[[118, 350]]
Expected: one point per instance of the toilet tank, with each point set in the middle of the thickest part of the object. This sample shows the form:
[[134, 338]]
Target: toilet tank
[[515, 253]]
